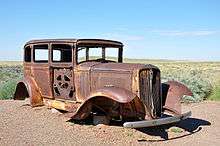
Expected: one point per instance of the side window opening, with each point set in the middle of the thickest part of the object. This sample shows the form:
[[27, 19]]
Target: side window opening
[[41, 53], [88, 53], [111, 54], [95, 53], [61, 53], [27, 54], [81, 54]]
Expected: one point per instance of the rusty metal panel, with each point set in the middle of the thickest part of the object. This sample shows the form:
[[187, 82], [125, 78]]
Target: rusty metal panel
[[63, 83], [150, 91], [100, 79], [173, 92], [27, 69], [82, 84], [41, 74]]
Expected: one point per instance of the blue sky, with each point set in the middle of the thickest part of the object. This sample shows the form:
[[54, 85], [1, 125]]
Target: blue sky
[[153, 29]]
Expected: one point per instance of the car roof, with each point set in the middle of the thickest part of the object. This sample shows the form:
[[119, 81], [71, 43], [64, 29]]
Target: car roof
[[78, 41]]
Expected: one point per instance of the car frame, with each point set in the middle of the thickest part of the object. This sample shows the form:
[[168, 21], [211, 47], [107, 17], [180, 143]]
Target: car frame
[[55, 75]]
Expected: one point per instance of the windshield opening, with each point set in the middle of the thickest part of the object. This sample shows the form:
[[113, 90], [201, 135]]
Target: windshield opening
[[99, 54]]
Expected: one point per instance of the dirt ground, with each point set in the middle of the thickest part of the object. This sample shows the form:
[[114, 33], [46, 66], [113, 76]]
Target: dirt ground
[[22, 125]]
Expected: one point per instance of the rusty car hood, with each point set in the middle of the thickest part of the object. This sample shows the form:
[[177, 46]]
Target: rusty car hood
[[122, 67]]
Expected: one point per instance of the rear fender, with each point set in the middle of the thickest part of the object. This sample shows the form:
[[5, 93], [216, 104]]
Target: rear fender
[[172, 93], [109, 96], [27, 88]]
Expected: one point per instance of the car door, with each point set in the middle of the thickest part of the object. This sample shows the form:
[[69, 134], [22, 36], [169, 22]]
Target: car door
[[40, 68], [62, 75]]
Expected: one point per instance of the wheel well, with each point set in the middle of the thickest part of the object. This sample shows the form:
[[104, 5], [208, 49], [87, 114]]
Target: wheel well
[[104, 106], [21, 91]]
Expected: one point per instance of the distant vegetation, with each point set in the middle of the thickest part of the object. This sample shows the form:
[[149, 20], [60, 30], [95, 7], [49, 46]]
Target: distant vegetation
[[215, 95], [203, 78], [10, 73]]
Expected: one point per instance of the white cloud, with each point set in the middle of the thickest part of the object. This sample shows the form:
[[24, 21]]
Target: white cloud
[[185, 33], [124, 37]]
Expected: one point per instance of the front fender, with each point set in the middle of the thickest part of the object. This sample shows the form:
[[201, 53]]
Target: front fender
[[172, 93], [117, 94], [28, 88], [114, 94]]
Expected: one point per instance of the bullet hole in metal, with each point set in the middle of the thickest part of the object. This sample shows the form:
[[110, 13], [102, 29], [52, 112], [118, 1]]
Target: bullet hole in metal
[[66, 78], [59, 78], [56, 91]]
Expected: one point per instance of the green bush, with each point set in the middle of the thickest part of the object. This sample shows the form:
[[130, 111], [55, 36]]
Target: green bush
[[7, 89], [10, 72], [200, 86], [215, 95], [9, 75]]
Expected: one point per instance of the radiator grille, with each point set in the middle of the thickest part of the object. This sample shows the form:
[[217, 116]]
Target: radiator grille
[[150, 91]]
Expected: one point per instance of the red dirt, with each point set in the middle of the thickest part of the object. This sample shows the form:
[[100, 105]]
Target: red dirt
[[22, 125]]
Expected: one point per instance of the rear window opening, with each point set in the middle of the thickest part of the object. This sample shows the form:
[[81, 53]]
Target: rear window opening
[[27, 54]]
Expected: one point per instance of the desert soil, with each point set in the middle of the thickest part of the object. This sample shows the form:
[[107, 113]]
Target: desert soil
[[21, 124]]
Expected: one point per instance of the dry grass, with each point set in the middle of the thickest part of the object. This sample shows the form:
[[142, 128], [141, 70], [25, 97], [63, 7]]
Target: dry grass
[[10, 73], [203, 78], [10, 63]]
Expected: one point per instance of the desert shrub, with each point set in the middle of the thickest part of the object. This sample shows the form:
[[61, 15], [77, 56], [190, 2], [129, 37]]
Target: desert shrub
[[215, 95], [7, 89], [200, 86], [9, 75], [10, 72], [200, 77]]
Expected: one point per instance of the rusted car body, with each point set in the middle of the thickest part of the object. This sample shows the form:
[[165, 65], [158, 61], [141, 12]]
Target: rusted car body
[[68, 75]]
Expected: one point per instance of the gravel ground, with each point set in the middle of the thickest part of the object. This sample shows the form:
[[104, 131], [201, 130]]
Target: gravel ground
[[22, 125]]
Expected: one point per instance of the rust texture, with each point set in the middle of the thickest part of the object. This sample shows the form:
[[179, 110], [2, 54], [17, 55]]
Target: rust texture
[[173, 92], [60, 78]]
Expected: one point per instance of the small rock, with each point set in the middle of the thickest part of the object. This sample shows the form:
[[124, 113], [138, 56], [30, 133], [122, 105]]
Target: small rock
[[100, 120], [100, 126], [175, 129], [53, 110]]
